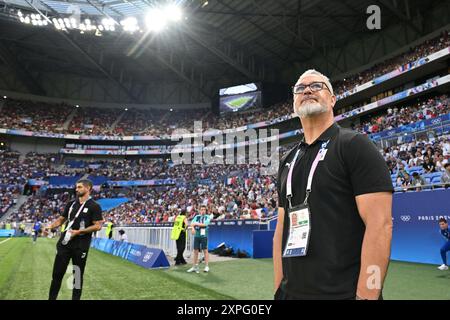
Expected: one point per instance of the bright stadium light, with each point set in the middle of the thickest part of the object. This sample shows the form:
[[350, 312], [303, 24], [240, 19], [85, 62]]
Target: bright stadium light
[[155, 20], [19, 13], [130, 24], [173, 12], [27, 20]]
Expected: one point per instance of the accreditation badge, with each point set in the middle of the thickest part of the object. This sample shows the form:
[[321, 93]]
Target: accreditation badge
[[299, 232]]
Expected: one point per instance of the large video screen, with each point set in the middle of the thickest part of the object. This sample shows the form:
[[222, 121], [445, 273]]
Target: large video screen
[[239, 98]]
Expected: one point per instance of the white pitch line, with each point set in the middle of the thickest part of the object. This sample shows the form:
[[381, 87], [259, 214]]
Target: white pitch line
[[5, 240]]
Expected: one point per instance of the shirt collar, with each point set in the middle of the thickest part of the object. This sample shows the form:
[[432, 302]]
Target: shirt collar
[[325, 136]]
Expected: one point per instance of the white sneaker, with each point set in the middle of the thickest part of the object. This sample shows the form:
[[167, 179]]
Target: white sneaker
[[206, 269], [194, 269], [443, 267]]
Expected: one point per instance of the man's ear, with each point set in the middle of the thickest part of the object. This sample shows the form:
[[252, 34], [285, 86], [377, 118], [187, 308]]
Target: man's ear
[[333, 101]]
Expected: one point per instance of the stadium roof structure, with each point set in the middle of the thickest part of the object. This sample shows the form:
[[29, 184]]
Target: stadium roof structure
[[218, 43]]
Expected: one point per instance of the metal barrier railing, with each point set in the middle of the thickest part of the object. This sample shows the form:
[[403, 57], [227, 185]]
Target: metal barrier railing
[[430, 186], [152, 237]]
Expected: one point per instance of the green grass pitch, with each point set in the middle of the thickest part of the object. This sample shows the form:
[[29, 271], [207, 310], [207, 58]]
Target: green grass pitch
[[25, 273], [239, 102]]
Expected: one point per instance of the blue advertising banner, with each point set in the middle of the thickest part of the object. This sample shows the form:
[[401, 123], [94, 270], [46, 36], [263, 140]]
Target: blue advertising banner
[[7, 233], [416, 236], [263, 243], [235, 233], [139, 254]]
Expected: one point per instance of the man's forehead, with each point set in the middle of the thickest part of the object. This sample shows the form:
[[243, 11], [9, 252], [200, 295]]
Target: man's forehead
[[309, 78]]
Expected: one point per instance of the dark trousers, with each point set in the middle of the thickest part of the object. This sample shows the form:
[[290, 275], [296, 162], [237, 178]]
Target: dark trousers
[[62, 259], [181, 245], [110, 235]]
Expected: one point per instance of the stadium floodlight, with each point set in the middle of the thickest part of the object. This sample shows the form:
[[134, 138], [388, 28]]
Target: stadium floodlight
[[27, 20], [77, 106], [173, 12], [4, 97], [126, 109], [155, 20], [130, 24], [82, 27], [22, 20], [19, 13], [87, 22], [108, 24], [101, 27]]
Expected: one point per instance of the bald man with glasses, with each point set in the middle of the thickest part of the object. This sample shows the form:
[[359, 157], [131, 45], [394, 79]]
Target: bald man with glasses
[[336, 183]]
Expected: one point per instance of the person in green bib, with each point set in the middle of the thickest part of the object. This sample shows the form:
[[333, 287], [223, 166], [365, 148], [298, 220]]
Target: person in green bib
[[200, 228], [179, 234]]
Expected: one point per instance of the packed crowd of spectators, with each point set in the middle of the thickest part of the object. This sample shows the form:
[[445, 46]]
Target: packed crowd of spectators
[[238, 192], [398, 116], [142, 169], [8, 197], [43, 208], [409, 163], [34, 116], [426, 48], [16, 170], [44, 117]]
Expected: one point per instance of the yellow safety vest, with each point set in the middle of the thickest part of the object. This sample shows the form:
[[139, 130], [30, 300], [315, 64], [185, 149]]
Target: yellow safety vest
[[177, 227], [109, 228], [8, 226]]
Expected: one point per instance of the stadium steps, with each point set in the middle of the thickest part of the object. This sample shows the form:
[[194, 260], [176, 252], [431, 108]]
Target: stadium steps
[[20, 201], [114, 125], [69, 119]]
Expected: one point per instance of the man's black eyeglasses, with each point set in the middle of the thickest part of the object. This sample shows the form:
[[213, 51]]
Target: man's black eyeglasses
[[314, 86]]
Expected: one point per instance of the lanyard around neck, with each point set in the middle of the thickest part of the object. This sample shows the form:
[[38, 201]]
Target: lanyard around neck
[[319, 156], [78, 213]]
